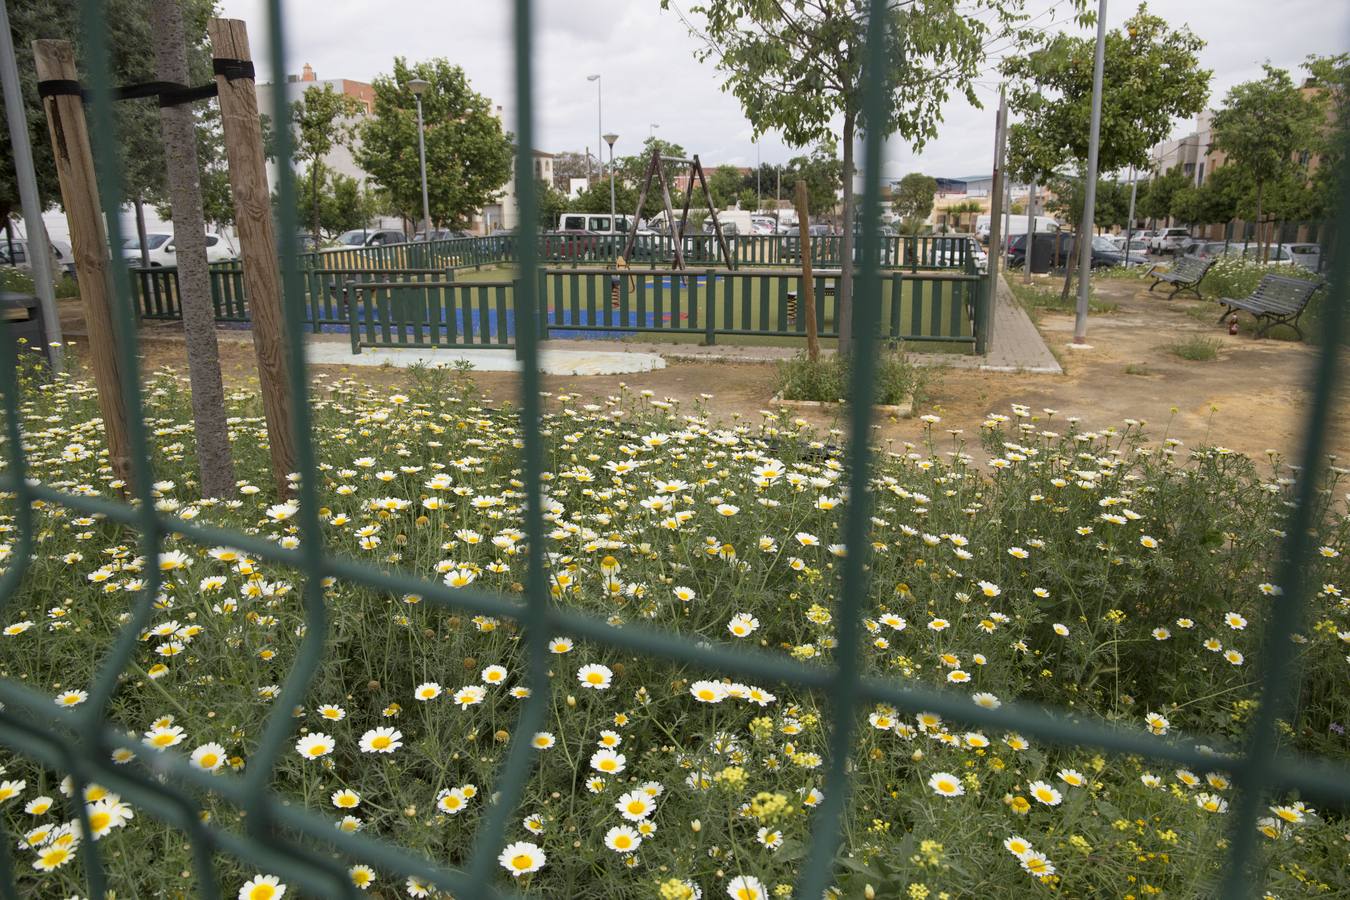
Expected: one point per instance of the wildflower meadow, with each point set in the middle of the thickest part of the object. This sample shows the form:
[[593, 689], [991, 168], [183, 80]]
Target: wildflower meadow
[[1115, 573]]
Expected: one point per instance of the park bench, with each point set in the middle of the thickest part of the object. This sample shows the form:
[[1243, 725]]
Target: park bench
[[1184, 275], [1277, 300]]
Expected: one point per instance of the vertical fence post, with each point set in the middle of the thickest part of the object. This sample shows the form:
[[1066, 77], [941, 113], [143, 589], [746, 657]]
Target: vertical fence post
[[709, 308], [253, 215], [353, 327], [55, 61]]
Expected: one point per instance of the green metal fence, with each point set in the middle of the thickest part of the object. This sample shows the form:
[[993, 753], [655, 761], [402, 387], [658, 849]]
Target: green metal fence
[[286, 840]]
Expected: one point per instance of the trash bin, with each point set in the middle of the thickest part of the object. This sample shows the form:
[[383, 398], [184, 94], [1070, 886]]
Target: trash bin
[[1042, 252], [23, 315]]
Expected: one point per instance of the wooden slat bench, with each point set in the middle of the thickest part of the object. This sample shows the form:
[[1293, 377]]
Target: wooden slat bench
[[1277, 300], [1184, 275]]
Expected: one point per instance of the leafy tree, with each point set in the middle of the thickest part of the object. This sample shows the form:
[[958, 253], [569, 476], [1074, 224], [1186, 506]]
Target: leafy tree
[[747, 199], [1331, 74], [1154, 200], [632, 170], [725, 185], [1262, 127], [130, 42], [343, 204], [798, 68], [823, 173], [1154, 77], [550, 202], [468, 155], [912, 197], [957, 213], [568, 165], [321, 121], [1112, 206]]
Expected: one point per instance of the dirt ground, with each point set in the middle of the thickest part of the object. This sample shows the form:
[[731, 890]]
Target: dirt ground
[[1252, 398]]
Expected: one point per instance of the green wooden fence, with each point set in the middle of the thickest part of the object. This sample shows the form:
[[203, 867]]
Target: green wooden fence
[[302, 846]]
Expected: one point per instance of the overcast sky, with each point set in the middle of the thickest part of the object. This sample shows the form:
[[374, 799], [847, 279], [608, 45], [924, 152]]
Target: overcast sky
[[649, 74]]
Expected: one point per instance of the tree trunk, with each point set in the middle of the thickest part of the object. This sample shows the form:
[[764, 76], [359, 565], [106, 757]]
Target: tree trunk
[[214, 461], [316, 169], [844, 299], [807, 294], [140, 232], [1260, 247]]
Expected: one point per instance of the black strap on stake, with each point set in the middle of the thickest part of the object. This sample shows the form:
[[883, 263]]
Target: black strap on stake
[[169, 93]]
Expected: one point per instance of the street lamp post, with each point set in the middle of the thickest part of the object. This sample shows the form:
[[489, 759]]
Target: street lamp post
[[418, 86], [599, 116], [651, 130], [610, 139]]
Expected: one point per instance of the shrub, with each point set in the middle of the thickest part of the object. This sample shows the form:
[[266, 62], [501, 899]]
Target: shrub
[[827, 380]]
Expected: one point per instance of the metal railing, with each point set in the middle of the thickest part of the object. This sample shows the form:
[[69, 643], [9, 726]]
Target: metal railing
[[300, 845]]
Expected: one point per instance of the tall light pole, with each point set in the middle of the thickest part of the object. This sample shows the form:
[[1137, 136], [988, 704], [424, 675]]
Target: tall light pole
[[599, 114], [418, 86], [1129, 224], [651, 130], [1090, 189], [610, 139]]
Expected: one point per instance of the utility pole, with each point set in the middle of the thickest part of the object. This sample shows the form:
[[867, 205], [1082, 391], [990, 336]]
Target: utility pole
[[1090, 188], [39, 248], [69, 131], [1129, 222], [996, 208], [1031, 232]]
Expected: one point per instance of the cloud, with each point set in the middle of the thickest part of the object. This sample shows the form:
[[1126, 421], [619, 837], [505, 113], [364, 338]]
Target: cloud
[[650, 75]]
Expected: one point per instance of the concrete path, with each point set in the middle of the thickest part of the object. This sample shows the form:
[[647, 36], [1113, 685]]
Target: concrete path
[[1017, 345], [552, 361]]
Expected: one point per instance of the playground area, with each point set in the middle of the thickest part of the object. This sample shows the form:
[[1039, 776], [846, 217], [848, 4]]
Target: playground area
[[1132, 373]]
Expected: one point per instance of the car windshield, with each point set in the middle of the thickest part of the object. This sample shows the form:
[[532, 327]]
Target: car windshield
[[1104, 243], [353, 238]]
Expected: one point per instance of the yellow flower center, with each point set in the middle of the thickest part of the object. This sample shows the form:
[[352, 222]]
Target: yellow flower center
[[162, 740], [381, 742], [316, 750], [99, 820], [209, 760], [636, 806], [262, 892], [521, 861]]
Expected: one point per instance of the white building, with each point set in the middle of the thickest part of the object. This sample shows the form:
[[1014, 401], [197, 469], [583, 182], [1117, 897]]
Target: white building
[[342, 158]]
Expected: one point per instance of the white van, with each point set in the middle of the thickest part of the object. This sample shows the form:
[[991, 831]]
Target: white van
[[596, 223], [1043, 225]]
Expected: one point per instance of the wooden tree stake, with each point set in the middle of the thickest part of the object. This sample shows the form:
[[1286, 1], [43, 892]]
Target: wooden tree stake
[[257, 241], [808, 290], [55, 60]]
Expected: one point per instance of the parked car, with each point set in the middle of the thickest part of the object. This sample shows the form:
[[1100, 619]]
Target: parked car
[[572, 244], [947, 252], [368, 237], [595, 223], [1307, 256], [1170, 240], [763, 225], [438, 234], [790, 248], [1104, 252], [163, 250], [63, 258]]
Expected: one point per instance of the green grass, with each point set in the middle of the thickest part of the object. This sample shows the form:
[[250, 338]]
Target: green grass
[[1036, 298], [1136, 369], [1196, 348]]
